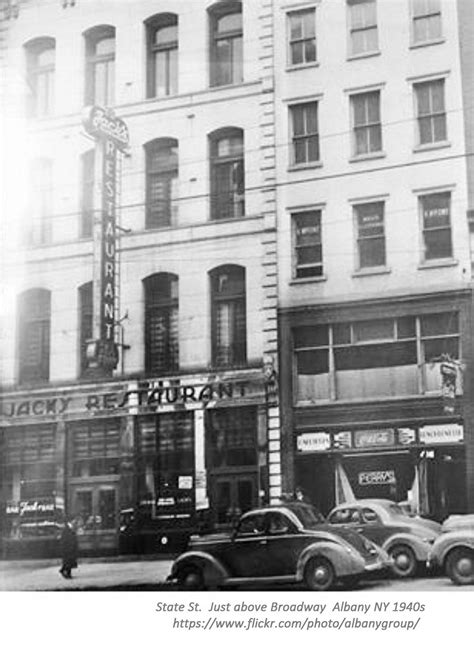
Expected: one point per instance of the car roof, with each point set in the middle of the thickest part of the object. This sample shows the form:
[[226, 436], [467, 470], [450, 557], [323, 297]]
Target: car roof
[[368, 501]]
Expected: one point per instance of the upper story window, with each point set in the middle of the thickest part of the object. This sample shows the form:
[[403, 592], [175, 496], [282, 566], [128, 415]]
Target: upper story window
[[436, 218], [366, 123], [226, 30], [100, 66], [308, 243], [227, 174], [161, 324], [41, 202], [34, 318], [380, 357], [161, 182], [228, 315], [363, 33], [162, 65], [85, 323], [304, 133], [41, 55], [87, 193], [370, 228], [302, 37], [430, 112], [426, 16]]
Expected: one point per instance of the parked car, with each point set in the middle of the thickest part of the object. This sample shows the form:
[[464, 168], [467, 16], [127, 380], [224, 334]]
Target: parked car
[[453, 550], [406, 539], [289, 542]]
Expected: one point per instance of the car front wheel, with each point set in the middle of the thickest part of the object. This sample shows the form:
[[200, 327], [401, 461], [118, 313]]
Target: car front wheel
[[191, 579], [403, 561], [460, 566], [319, 574]]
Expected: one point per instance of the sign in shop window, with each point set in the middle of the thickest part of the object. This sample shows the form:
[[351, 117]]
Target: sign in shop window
[[377, 477], [313, 442]]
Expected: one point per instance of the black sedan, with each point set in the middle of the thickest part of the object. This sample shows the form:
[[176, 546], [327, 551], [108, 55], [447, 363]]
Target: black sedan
[[285, 543], [406, 539]]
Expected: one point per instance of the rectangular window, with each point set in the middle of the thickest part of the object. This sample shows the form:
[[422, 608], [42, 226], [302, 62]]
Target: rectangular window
[[436, 218], [302, 36], [388, 357], [367, 127], [370, 234], [87, 193], [363, 35], [226, 44], [426, 21], [304, 133], [94, 448], [430, 112], [308, 244], [231, 437]]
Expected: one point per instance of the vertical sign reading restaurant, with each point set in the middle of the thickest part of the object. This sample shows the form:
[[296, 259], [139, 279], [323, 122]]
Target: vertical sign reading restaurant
[[111, 135]]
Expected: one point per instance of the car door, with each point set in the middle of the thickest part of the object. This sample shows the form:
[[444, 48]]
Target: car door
[[373, 526], [246, 553], [283, 545]]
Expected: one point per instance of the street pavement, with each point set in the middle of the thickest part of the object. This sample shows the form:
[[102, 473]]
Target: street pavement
[[149, 574]]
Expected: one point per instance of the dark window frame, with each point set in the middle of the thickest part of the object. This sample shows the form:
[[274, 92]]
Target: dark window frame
[[308, 138], [162, 171], [41, 77], [168, 49], [162, 305], [370, 128], [367, 236], [34, 317], [227, 174], [431, 125], [106, 95], [307, 42], [433, 230], [363, 28], [233, 73], [233, 354], [309, 244]]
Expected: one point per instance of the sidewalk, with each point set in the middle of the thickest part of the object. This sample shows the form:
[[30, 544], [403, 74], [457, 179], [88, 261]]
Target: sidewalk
[[92, 574]]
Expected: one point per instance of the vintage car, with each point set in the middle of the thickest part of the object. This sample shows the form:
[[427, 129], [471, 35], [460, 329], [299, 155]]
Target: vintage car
[[453, 550], [282, 543], [406, 539]]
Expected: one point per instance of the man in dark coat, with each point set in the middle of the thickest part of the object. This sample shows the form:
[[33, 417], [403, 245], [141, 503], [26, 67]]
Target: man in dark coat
[[68, 550]]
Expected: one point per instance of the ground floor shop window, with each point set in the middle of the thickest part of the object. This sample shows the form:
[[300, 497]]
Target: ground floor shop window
[[94, 448], [166, 464]]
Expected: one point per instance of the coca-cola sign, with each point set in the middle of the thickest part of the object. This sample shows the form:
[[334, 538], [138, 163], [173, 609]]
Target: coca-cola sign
[[103, 124]]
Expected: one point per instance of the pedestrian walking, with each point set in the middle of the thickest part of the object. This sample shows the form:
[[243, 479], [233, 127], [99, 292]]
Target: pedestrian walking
[[68, 550]]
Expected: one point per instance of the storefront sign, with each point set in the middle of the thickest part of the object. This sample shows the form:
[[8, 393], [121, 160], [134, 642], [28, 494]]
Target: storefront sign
[[103, 124], [374, 438], [377, 478], [342, 440], [313, 442], [441, 433], [185, 482], [37, 507], [406, 436]]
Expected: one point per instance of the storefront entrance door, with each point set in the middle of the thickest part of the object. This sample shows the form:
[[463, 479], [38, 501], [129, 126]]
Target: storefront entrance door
[[232, 495], [95, 509]]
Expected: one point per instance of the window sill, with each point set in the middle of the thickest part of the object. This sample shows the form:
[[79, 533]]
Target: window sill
[[309, 279], [368, 156], [306, 165], [364, 55], [371, 271], [441, 262], [301, 67], [432, 146], [424, 44]]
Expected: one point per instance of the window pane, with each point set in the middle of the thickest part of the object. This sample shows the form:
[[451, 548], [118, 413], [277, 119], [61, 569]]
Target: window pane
[[230, 23], [436, 210], [371, 41], [439, 128], [437, 95], [105, 46], [311, 118], [440, 347], [406, 327], [313, 149], [426, 131], [438, 244], [372, 253], [341, 333], [312, 362], [310, 51], [377, 329], [423, 98], [298, 121], [166, 35], [375, 138], [439, 324], [309, 24], [297, 53], [376, 356], [300, 151]]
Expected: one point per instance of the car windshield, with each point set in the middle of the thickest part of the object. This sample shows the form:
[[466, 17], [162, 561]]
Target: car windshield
[[395, 510], [308, 516]]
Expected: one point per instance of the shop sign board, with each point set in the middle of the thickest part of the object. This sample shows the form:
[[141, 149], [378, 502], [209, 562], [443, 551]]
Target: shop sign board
[[406, 436], [313, 442], [377, 477], [103, 124], [374, 438], [441, 433], [342, 440]]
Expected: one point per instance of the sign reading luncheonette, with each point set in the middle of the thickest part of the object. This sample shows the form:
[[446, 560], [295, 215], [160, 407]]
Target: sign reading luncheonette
[[313, 442], [441, 433], [111, 134]]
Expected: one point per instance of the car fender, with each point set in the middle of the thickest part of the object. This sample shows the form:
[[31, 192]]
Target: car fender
[[213, 571], [448, 542], [419, 547], [345, 560]]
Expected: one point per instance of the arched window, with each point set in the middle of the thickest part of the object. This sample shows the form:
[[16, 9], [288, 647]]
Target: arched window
[[100, 66], [40, 60], [40, 206], [162, 55], [34, 318], [227, 173], [87, 193], [161, 324], [85, 322], [226, 56], [228, 316], [161, 182]]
